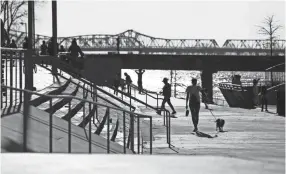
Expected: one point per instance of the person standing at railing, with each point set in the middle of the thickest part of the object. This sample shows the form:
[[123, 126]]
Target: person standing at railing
[[44, 48], [193, 100], [140, 72], [128, 83], [63, 57], [122, 85], [116, 84], [264, 100], [62, 49], [75, 50], [167, 96], [25, 44]]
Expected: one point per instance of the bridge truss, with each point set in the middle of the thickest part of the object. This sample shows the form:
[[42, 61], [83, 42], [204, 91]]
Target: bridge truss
[[138, 43]]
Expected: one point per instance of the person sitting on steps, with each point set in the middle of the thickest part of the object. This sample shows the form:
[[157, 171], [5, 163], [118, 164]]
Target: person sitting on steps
[[167, 96]]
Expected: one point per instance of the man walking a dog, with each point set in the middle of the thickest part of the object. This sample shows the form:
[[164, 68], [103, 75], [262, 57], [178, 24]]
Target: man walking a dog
[[193, 101]]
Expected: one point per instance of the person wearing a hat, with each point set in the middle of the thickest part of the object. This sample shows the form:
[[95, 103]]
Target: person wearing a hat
[[167, 96]]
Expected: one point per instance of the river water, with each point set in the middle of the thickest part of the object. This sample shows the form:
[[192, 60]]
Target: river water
[[152, 79]]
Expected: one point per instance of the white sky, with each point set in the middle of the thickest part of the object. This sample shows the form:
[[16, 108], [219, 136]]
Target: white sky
[[218, 20]]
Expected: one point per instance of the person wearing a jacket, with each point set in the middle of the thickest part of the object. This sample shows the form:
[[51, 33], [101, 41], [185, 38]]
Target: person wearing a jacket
[[128, 83], [167, 96]]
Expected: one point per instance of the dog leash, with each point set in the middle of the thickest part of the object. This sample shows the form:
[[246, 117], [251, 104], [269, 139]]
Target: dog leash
[[211, 113]]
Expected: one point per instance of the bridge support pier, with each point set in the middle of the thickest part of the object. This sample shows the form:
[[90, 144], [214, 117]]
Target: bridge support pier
[[207, 82]]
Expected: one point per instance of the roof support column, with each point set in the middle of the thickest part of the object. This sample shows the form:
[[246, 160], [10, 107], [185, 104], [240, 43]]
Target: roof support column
[[54, 37]]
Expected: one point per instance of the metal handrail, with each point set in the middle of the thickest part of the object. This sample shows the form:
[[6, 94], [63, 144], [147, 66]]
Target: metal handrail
[[138, 115], [89, 83], [144, 91], [275, 66]]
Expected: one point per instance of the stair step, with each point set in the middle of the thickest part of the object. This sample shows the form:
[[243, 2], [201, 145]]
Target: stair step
[[42, 99], [102, 123], [61, 103], [86, 120], [73, 111]]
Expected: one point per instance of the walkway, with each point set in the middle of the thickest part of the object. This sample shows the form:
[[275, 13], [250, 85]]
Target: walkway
[[250, 135]]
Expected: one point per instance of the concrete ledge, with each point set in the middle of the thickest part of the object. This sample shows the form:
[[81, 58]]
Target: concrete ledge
[[125, 164]]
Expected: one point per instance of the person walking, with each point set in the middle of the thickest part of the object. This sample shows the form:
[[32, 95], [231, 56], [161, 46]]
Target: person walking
[[193, 100], [167, 96], [128, 83], [116, 84], [264, 100], [140, 72]]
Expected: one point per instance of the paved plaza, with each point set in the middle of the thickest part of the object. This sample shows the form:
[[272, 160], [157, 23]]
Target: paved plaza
[[250, 135]]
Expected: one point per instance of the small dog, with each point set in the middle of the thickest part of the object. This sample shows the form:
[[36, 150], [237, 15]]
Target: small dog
[[219, 124]]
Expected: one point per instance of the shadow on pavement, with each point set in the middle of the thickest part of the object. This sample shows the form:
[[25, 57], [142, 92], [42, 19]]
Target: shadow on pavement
[[8, 145], [204, 135]]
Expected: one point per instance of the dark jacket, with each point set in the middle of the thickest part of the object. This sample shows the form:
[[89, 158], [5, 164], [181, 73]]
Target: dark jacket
[[167, 90], [13, 45], [116, 83], [44, 49], [75, 50], [128, 79], [25, 45]]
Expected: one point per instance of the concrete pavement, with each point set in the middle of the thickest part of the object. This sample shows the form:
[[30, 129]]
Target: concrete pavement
[[250, 135]]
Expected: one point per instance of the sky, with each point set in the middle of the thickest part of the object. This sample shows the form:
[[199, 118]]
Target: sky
[[218, 20]]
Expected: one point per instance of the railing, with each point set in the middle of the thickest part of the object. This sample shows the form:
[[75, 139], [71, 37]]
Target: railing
[[275, 74], [12, 74], [92, 88], [148, 94], [133, 116], [166, 117], [167, 124], [167, 121], [16, 98]]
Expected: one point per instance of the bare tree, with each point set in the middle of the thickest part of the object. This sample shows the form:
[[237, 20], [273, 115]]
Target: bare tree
[[269, 29], [15, 12]]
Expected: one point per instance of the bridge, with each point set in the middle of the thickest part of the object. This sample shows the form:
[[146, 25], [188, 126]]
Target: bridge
[[137, 43]]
